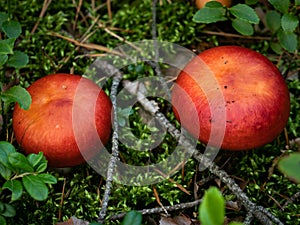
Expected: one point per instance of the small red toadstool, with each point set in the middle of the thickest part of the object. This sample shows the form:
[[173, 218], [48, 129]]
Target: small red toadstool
[[48, 126], [256, 100]]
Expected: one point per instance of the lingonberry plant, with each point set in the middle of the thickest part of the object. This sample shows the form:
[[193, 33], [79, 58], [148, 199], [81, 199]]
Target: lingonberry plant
[[19, 173], [242, 16], [280, 18]]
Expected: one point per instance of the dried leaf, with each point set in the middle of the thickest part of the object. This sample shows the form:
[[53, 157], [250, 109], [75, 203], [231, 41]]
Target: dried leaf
[[177, 220], [182, 220], [167, 221]]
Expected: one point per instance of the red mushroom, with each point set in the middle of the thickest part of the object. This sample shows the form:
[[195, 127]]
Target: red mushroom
[[256, 102], [48, 126]]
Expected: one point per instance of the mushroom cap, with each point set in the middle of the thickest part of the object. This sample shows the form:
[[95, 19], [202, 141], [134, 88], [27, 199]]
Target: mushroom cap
[[64, 122], [201, 3], [249, 92]]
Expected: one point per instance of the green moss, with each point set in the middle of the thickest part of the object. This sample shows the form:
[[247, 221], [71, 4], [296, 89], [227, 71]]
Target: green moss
[[83, 187]]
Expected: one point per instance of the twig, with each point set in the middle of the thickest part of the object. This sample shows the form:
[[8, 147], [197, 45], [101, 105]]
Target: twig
[[176, 207], [115, 147], [83, 38], [42, 13], [156, 51], [154, 3], [261, 210], [173, 181], [154, 37], [62, 199], [76, 15], [93, 5], [88, 33], [107, 30], [291, 200], [248, 219], [260, 213], [108, 2], [158, 200], [80, 13], [88, 46], [235, 35], [102, 5]]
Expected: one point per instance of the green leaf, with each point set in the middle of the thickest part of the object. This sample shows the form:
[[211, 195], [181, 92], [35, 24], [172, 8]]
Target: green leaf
[[273, 20], [11, 28], [212, 208], [35, 187], [41, 167], [132, 218], [17, 94], [3, 18], [276, 47], [7, 46], [213, 4], [244, 12], [209, 15], [38, 162], [289, 22], [288, 40], [281, 5], [36, 159], [242, 27], [9, 211], [5, 149], [15, 186], [18, 60], [290, 166], [47, 178], [297, 2], [5, 172], [19, 161], [3, 59], [2, 220]]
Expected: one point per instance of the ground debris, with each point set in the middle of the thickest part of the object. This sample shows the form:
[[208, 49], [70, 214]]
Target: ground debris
[[73, 221]]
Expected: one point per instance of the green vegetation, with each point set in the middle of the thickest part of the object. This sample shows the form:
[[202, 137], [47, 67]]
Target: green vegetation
[[48, 43]]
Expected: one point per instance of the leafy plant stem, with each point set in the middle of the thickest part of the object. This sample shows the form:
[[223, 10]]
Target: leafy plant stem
[[22, 175]]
